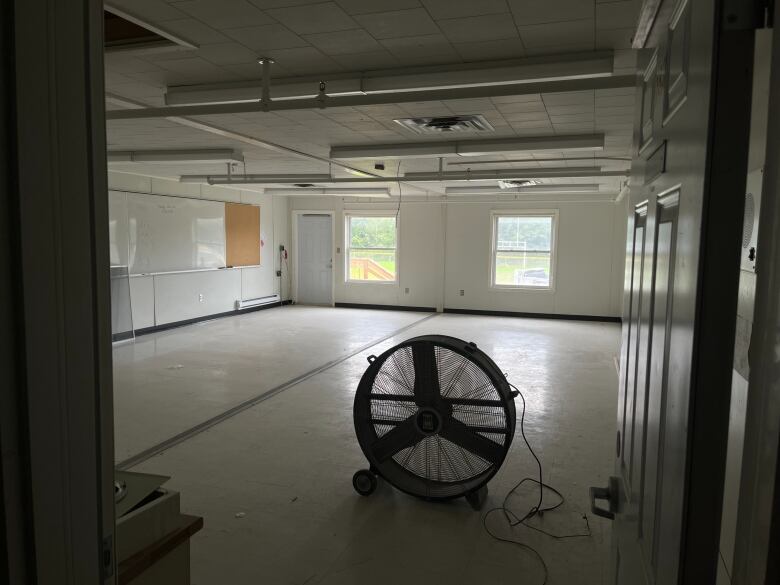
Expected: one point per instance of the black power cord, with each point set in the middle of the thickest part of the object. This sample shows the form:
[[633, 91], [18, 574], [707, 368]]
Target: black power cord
[[513, 519]]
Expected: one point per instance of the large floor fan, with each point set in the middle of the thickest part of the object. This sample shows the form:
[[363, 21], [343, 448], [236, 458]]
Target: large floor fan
[[435, 418]]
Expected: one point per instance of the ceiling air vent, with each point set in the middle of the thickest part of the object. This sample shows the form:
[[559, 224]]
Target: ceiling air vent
[[443, 124], [514, 184]]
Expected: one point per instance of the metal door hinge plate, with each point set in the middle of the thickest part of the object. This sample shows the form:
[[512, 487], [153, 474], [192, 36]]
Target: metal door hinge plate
[[107, 557]]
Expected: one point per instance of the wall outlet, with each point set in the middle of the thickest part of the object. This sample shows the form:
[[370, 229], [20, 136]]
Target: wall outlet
[[200, 297], [406, 290], [462, 292]]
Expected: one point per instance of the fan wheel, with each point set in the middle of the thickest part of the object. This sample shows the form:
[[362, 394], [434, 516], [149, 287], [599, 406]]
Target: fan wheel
[[364, 482]]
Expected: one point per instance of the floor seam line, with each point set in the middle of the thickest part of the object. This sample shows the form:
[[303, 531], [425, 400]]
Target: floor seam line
[[255, 400]]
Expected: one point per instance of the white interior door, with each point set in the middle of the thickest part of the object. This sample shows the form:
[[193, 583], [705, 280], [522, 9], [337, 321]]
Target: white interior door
[[682, 274], [315, 260]]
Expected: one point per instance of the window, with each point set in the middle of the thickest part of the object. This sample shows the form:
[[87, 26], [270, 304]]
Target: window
[[371, 248], [523, 250]]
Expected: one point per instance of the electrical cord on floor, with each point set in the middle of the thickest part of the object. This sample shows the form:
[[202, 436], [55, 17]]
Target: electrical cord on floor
[[539, 509]]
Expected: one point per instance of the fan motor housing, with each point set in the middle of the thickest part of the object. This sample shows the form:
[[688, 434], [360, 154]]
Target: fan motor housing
[[434, 416]]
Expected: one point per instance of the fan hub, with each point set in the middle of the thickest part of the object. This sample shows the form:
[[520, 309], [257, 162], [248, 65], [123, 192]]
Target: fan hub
[[428, 421]]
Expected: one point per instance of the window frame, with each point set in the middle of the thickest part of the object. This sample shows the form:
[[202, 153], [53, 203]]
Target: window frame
[[494, 217], [348, 248]]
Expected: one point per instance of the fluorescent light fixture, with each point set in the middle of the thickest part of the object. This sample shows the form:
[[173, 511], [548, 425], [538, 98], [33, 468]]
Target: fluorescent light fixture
[[358, 173], [585, 142], [195, 156], [239, 178], [549, 188], [334, 192]]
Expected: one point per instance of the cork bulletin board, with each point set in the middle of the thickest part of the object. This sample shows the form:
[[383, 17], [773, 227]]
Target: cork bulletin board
[[242, 234]]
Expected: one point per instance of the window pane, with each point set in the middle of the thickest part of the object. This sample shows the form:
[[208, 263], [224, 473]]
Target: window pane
[[372, 232], [372, 265], [523, 269], [524, 233]]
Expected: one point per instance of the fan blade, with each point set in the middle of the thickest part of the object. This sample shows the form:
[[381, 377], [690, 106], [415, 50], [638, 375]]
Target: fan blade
[[456, 432], [402, 436], [426, 374]]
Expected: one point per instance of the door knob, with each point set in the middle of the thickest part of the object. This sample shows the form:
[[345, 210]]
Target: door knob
[[610, 494]]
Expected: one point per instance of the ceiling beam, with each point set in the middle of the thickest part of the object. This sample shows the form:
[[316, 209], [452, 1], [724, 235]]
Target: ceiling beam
[[326, 101], [583, 142], [528, 70], [487, 175]]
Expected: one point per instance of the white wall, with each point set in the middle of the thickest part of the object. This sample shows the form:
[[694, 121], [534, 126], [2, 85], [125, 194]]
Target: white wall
[[168, 298], [589, 267]]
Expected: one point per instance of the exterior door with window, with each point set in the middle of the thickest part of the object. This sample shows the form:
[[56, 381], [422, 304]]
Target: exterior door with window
[[315, 260], [682, 270]]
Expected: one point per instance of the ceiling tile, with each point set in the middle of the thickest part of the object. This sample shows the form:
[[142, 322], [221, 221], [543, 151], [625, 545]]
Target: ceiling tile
[[127, 64], [370, 6], [366, 61], [615, 38], [486, 50], [344, 42], [228, 54], [422, 59], [222, 14], [623, 14], [305, 61], [479, 28], [266, 4], [314, 18], [516, 117], [560, 110], [267, 38], [533, 51], [551, 34], [543, 11], [530, 106], [152, 11], [399, 23], [193, 30], [435, 44], [441, 9], [568, 98]]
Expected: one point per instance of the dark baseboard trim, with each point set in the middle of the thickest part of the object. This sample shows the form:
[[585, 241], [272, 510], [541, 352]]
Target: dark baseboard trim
[[175, 324], [534, 315], [385, 307], [121, 336]]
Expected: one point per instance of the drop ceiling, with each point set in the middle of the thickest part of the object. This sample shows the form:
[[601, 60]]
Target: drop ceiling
[[351, 36]]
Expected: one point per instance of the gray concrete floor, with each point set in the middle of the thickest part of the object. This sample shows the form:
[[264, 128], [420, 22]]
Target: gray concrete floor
[[274, 482]]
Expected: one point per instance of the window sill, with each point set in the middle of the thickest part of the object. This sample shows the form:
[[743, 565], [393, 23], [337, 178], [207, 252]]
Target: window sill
[[510, 288], [383, 282]]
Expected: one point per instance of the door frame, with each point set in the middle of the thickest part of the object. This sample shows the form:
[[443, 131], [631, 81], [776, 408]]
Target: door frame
[[56, 410], [758, 512], [295, 214]]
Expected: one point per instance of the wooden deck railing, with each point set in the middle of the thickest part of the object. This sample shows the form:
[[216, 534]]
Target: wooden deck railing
[[368, 268]]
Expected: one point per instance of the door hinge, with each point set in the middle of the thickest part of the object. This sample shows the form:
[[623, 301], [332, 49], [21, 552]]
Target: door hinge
[[747, 14], [107, 557]]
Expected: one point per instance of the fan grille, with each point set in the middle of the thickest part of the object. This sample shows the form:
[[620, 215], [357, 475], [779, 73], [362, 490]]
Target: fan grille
[[434, 464]]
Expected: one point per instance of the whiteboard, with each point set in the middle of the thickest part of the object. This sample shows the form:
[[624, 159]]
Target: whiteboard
[[168, 234]]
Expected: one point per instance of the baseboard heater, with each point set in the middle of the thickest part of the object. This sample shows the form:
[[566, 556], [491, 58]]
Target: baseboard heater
[[248, 304]]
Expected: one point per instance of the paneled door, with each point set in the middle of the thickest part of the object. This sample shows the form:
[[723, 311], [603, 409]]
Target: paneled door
[[682, 270], [315, 260]]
